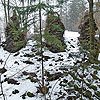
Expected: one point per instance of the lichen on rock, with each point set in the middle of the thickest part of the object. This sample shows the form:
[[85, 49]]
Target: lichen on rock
[[53, 34], [15, 36]]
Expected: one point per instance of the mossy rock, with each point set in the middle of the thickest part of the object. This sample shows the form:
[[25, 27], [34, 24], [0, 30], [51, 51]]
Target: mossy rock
[[24, 96], [88, 94], [32, 79], [29, 94], [76, 87], [96, 67], [63, 68], [28, 62], [55, 76], [18, 45], [15, 35], [53, 43], [93, 87], [98, 93], [29, 55], [53, 33], [15, 91], [11, 81], [71, 83]]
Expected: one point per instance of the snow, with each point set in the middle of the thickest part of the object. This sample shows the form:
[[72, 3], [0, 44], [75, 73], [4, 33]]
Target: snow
[[15, 70]]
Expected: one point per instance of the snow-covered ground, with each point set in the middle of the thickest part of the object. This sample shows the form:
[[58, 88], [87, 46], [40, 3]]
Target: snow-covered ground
[[15, 67]]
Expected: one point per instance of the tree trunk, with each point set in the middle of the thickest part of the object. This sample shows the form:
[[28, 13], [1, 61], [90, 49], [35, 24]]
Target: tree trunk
[[5, 10], [91, 23], [8, 10], [41, 46]]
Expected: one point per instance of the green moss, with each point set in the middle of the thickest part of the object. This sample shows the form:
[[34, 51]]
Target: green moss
[[63, 68], [19, 44], [71, 83], [88, 94], [29, 55], [29, 94], [52, 39], [98, 93], [96, 67], [24, 96], [76, 87], [33, 80], [94, 87]]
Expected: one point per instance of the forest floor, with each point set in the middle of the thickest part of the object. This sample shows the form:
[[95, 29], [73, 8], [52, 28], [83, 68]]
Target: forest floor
[[19, 65], [23, 71]]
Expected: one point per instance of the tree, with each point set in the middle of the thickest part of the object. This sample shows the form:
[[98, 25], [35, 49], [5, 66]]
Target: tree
[[91, 23]]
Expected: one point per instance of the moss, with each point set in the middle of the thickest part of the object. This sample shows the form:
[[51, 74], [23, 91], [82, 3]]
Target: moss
[[76, 87], [24, 96], [96, 67], [95, 72], [65, 80], [94, 76], [88, 94], [19, 44], [94, 87], [32, 79], [63, 68], [38, 53], [98, 93], [71, 83], [29, 55], [29, 94], [52, 39]]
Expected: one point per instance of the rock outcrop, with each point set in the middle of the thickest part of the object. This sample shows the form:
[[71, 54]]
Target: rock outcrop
[[54, 33], [15, 38], [84, 28]]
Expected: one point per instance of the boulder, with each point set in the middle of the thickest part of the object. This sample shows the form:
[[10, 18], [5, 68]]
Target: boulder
[[84, 28], [15, 37], [53, 34]]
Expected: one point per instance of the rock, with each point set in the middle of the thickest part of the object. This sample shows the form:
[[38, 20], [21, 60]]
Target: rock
[[2, 70], [11, 81], [15, 38], [29, 73], [29, 94], [46, 58], [84, 28], [32, 79], [50, 65], [29, 55], [16, 63], [28, 62], [1, 61], [55, 76], [15, 91], [53, 34], [24, 96]]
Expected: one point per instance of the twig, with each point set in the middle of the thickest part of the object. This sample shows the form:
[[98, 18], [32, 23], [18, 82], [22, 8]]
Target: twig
[[53, 88], [7, 59], [2, 88]]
